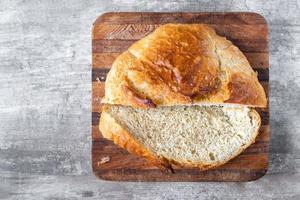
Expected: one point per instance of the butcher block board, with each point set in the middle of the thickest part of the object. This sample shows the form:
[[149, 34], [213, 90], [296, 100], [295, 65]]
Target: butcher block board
[[113, 33]]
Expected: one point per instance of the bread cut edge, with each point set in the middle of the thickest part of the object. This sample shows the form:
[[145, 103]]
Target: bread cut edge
[[113, 131]]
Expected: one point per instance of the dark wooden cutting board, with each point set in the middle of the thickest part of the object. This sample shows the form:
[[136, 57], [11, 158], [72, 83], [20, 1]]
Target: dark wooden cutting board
[[113, 33]]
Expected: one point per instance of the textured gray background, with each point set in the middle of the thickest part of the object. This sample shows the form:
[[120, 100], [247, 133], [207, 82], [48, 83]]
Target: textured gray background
[[45, 102]]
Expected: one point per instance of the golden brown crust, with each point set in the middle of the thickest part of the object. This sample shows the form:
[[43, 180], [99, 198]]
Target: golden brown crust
[[111, 130], [183, 64], [244, 90]]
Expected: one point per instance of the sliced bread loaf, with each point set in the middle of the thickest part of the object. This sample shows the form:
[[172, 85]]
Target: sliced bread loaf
[[189, 136], [175, 73]]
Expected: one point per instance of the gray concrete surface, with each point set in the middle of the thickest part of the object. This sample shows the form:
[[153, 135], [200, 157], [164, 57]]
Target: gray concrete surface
[[45, 95]]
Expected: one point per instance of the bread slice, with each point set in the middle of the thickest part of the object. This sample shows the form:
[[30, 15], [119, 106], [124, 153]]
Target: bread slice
[[188, 136]]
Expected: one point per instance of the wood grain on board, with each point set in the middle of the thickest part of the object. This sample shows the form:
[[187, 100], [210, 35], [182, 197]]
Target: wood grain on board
[[113, 33]]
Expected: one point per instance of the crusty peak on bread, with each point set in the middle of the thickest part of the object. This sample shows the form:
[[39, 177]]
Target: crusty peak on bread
[[183, 64], [188, 136]]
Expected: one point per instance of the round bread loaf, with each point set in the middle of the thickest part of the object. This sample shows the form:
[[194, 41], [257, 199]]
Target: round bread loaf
[[183, 64]]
